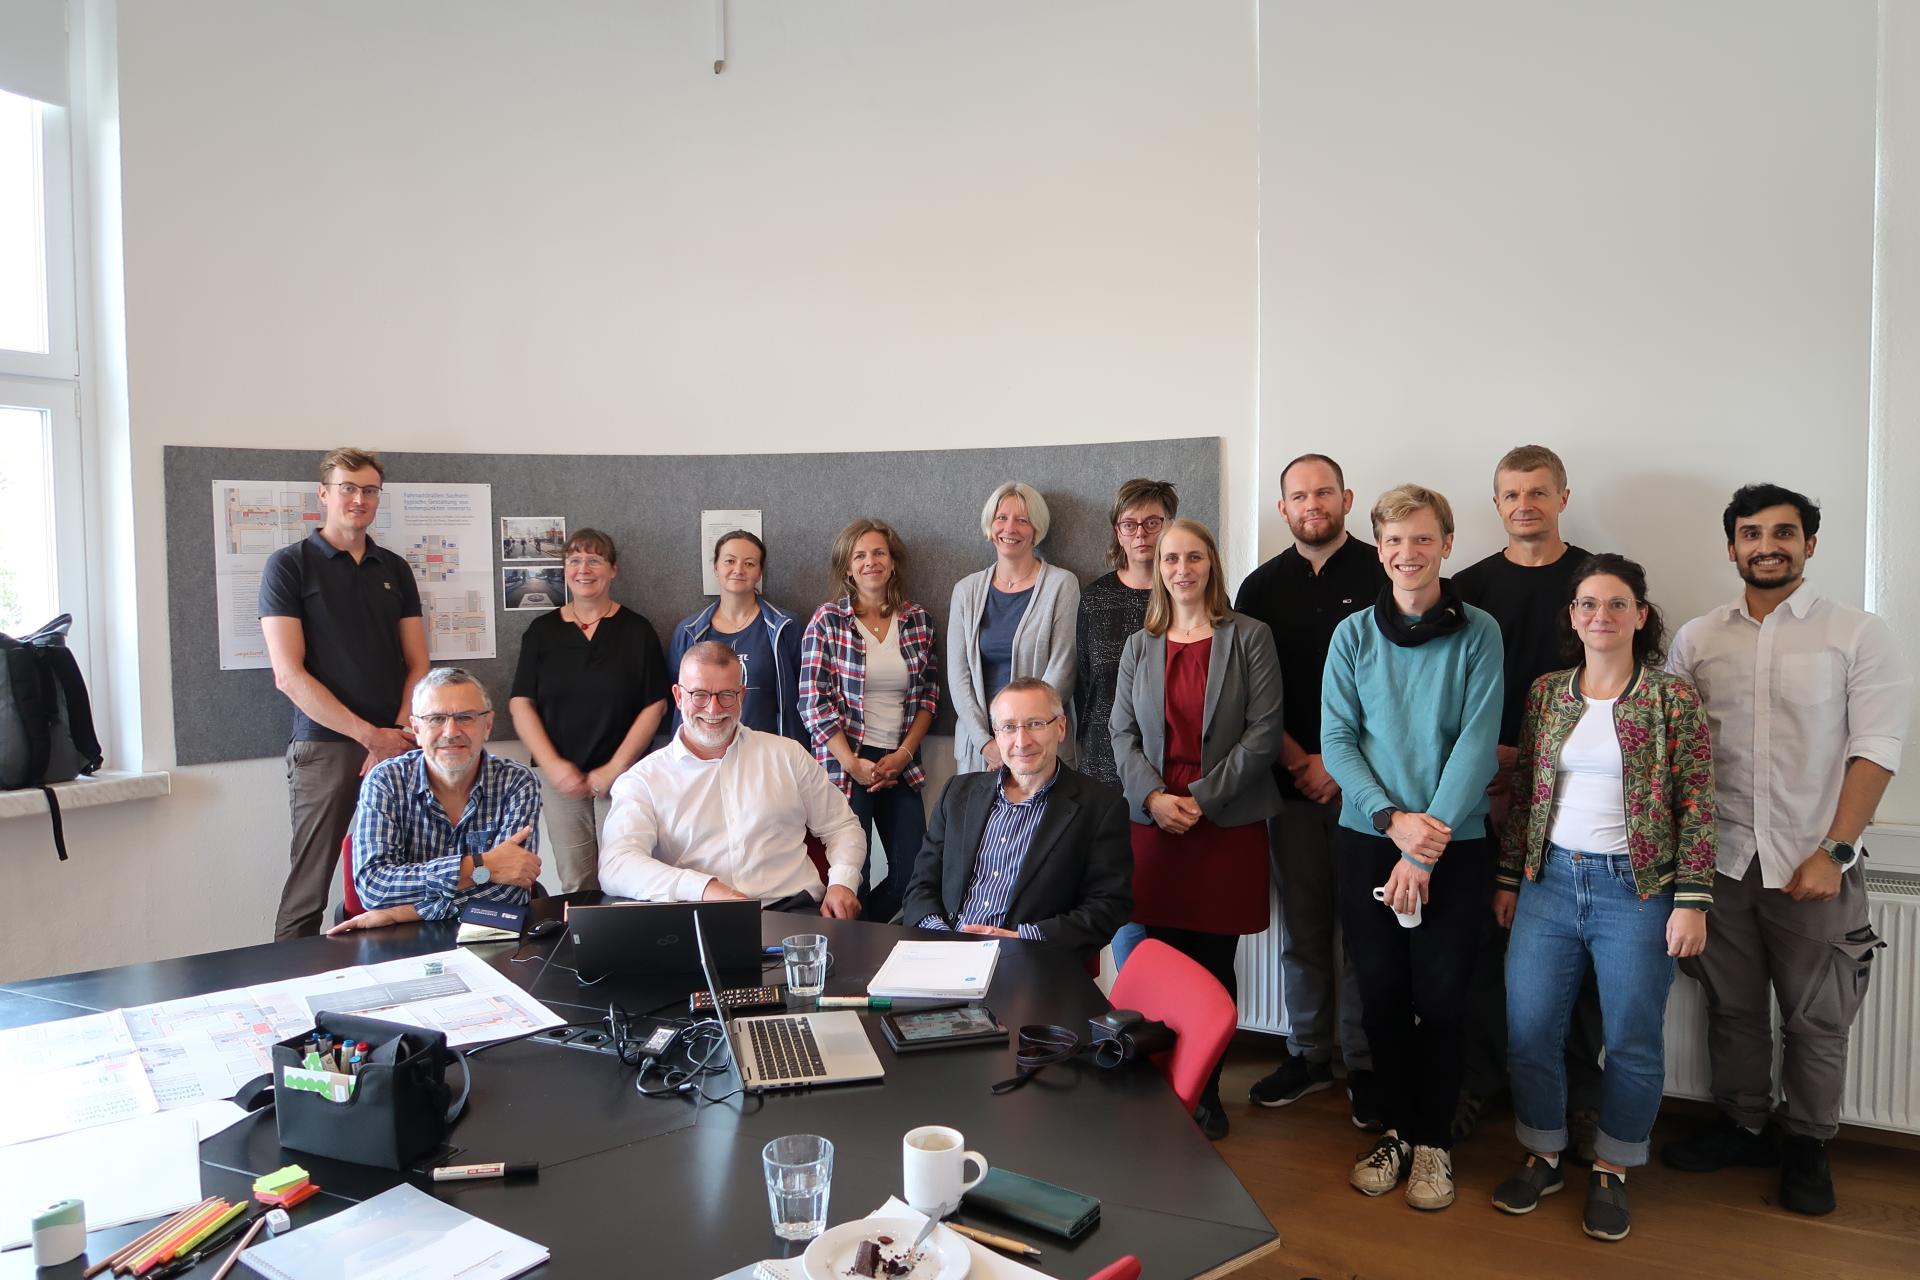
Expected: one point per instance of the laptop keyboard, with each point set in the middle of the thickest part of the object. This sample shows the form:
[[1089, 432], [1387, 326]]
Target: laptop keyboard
[[784, 1049]]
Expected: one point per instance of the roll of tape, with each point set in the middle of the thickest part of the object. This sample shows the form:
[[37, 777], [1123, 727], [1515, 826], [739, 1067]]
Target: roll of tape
[[59, 1233]]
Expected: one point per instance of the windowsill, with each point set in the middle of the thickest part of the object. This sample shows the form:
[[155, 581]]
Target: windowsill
[[109, 786]]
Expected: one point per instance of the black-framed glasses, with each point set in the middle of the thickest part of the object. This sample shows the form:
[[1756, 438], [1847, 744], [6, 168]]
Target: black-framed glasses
[[1007, 728], [727, 698], [1152, 524], [348, 489], [437, 720]]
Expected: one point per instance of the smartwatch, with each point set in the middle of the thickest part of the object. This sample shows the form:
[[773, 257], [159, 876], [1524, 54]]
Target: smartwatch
[[1383, 819], [1843, 852], [480, 873]]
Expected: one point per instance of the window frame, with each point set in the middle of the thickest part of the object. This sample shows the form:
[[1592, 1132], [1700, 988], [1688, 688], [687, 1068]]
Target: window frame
[[62, 359]]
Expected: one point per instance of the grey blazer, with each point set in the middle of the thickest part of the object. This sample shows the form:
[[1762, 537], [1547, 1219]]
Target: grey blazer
[[1241, 730], [1042, 646]]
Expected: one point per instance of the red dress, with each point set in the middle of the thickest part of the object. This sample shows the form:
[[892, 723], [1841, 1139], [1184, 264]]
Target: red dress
[[1213, 879]]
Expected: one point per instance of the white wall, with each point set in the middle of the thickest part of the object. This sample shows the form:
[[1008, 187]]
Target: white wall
[[501, 227]]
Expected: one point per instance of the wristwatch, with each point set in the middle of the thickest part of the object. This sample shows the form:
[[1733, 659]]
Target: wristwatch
[[480, 873], [1384, 819], [1843, 852]]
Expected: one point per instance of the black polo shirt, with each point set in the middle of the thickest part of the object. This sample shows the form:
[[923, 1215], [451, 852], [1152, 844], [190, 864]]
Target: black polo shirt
[[589, 692], [351, 616], [1530, 604], [1302, 608]]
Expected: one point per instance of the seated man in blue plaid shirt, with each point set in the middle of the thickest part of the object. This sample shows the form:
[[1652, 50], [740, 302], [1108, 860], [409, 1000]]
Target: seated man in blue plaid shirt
[[448, 821]]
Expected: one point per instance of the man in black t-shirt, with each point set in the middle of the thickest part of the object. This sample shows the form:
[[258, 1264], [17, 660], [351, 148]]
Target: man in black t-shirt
[[1302, 594], [1526, 587], [341, 618]]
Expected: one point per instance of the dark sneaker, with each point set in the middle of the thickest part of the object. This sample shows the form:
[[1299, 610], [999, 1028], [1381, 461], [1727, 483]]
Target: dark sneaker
[[1720, 1144], [1211, 1117], [1806, 1179], [1466, 1114], [1606, 1216], [1521, 1193], [1291, 1081], [1363, 1097], [1583, 1127], [1380, 1168]]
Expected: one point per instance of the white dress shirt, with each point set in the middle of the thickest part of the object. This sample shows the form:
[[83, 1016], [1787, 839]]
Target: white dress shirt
[[678, 822], [1790, 700]]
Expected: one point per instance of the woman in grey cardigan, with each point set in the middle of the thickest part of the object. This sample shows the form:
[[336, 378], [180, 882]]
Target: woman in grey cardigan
[[1015, 619]]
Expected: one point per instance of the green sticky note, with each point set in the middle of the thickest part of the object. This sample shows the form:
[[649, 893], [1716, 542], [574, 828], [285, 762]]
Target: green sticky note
[[280, 1178]]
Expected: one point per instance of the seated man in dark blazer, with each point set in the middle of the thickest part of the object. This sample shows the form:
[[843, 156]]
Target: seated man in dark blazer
[[1032, 850]]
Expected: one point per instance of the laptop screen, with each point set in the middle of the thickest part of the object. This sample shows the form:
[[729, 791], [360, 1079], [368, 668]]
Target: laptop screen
[[707, 971]]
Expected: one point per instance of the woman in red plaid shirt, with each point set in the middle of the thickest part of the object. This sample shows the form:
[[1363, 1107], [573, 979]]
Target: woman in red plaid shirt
[[869, 685]]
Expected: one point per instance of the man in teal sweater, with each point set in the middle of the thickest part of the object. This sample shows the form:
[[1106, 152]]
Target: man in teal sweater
[[1410, 718]]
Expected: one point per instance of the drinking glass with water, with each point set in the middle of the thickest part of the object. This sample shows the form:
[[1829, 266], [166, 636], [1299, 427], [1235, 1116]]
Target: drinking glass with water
[[806, 963], [799, 1177]]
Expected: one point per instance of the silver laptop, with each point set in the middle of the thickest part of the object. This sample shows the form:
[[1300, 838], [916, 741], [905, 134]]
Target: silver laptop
[[791, 1051]]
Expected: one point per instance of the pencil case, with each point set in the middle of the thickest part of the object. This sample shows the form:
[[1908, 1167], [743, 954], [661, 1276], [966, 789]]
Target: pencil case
[[1040, 1205], [400, 1106]]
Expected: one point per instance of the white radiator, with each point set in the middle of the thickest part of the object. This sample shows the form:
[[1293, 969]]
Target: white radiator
[[1883, 1065]]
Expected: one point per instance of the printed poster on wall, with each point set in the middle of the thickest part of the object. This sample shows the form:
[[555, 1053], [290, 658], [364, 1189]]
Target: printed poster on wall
[[445, 531]]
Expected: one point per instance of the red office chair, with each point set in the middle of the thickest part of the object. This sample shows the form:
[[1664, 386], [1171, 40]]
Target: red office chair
[[350, 900], [1126, 1268], [1167, 986]]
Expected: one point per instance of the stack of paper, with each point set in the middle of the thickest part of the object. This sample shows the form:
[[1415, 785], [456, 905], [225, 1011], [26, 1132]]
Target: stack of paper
[[402, 1232], [937, 970]]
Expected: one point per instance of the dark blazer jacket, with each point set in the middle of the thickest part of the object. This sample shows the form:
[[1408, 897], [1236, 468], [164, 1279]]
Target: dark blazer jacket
[[1076, 883]]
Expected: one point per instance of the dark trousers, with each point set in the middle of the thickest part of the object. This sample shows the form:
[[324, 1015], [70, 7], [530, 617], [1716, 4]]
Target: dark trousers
[[902, 820], [1213, 952], [323, 786], [1414, 982]]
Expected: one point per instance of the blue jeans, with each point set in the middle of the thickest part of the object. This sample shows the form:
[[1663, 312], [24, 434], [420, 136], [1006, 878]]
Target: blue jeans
[[902, 820], [1129, 936], [1585, 905]]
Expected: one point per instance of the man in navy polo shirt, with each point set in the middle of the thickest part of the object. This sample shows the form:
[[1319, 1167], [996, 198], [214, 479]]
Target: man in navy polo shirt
[[341, 617]]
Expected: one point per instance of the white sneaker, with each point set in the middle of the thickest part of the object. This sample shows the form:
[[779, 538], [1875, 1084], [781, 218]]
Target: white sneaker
[[1430, 1185], [1378, 1170]]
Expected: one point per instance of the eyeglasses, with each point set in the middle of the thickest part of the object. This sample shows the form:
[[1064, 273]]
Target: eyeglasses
[[1006, 729], [437, 720], [1152, 524], [586, 562], [1587, 606], [701, 697], [349, 490]]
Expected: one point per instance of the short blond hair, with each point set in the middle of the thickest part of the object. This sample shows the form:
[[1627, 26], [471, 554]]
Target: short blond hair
[[351, 460], [1531, 457], [1036, 509], [1401, 501]]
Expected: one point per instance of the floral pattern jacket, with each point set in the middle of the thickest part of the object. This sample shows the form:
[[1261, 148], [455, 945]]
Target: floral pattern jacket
[[1666, 757]]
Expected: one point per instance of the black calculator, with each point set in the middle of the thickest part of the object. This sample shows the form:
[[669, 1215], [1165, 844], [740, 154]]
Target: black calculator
[[739, 1000]]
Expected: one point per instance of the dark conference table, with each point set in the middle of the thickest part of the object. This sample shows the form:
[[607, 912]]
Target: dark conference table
[[673, 1187]]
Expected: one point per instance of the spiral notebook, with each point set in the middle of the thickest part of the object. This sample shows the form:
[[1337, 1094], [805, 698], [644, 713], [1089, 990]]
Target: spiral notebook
[[402, 1232]]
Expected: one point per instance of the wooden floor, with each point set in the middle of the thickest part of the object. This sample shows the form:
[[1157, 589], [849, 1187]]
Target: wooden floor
[[1294, 1161]]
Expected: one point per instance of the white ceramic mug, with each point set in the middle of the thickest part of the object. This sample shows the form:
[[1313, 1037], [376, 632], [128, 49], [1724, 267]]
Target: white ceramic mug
[[1407, 919], [933, 1162]]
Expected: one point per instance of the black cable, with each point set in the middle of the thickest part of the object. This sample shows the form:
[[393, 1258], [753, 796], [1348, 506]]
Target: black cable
[[1039, 1045]]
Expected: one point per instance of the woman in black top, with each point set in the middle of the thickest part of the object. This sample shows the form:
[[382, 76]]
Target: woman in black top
[[588, 696]]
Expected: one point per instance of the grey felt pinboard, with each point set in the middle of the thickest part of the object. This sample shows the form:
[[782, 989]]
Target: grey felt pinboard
[[651, 506]]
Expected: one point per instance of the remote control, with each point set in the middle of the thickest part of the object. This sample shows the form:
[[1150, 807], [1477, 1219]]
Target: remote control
[[739, 1000]]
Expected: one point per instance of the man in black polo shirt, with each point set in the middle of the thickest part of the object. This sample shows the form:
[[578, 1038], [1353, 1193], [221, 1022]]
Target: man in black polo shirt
[[341, 618], [1302, 594], [1526, 587]]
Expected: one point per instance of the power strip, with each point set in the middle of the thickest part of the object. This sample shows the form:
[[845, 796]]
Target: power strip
[[597, 1040]]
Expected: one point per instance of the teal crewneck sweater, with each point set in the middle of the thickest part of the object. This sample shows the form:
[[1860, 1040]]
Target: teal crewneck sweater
[[1413, 729]]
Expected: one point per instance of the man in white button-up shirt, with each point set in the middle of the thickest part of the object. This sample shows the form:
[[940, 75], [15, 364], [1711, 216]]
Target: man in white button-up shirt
[[1808, 703], [723, 811]]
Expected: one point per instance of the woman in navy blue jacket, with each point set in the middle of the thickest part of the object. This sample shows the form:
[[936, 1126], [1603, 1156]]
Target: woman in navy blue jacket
[[766, 637]]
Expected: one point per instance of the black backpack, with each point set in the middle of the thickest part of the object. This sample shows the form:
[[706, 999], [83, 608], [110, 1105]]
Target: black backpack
[[46, 721]]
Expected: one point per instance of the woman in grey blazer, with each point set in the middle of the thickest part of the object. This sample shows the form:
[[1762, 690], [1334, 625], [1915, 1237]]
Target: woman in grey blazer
[[1196, 730], [1015, 619]]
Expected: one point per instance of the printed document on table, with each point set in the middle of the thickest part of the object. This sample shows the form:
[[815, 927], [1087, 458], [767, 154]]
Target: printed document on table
[[76, 1097], [126, 1172], [951, 970], [468, 998], [399, 1234]]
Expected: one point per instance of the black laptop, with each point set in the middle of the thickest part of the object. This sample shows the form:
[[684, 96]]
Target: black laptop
[[646, 938]]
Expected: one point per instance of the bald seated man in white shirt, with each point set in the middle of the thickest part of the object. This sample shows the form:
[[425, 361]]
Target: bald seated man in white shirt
[[722, 812]]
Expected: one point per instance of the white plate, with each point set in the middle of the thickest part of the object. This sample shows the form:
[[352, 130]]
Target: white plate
[[830, 1257]]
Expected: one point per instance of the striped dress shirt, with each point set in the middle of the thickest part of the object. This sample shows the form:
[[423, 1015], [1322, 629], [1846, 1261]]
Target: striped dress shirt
[[405, 851], [996, 865]]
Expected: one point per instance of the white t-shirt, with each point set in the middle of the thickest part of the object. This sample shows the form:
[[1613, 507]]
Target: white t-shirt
[[884, 701], [1589, 807]]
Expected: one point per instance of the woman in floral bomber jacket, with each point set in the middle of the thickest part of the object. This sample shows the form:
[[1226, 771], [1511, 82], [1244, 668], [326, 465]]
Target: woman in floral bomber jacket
[[1612, 824]]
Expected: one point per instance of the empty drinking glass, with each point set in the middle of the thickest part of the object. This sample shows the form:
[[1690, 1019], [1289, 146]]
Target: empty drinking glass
[[806, 963], [799, 1177]]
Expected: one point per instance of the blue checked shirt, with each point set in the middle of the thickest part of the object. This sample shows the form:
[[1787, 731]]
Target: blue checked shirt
[[996, 867], [405, 852]]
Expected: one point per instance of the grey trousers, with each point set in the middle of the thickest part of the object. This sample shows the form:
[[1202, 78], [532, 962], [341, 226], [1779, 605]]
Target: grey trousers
[[1317, 975], [1818, 958], [572, 845], [323, 785]]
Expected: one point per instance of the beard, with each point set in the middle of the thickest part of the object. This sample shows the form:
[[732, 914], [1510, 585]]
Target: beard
[[1785, 575], [711, 736], [1327, 532]]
